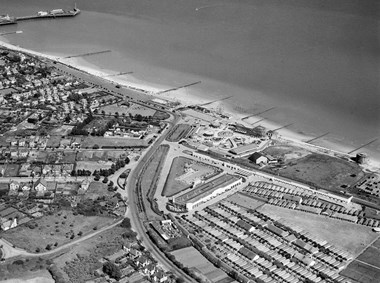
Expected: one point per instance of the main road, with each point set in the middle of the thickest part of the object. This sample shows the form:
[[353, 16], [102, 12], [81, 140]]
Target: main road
[[137, 223]]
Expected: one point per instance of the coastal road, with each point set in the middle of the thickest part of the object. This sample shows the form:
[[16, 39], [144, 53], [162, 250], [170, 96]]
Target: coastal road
[[137, 223]]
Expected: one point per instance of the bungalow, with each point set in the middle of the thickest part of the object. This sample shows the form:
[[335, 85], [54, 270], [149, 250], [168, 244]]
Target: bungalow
[[13, 187], [133, 253], [160, 276], [40, 186], [150, 269]]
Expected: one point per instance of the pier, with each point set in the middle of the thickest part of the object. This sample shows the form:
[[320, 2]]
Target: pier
[[177, 88], [86, 54], [364, 145], [257, 114]]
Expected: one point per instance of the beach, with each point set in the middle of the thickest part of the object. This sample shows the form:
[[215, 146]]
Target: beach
[[190, 98]]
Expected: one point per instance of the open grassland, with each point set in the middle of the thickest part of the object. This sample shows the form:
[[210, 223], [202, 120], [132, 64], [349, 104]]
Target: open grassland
[[323, 171], [136, 109], [192, 258], [115, 108], [348, 236], [97, 189], [245, 201], [54, 230], [286, 152], [92, 166], [108, 142]]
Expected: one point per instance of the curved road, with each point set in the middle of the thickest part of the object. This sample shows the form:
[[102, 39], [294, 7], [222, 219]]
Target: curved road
[[134, 213]]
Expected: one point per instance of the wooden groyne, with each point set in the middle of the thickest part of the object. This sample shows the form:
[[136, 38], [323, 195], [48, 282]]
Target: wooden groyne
[[177, 88], [87, 54], [257, 114], [217, 100]]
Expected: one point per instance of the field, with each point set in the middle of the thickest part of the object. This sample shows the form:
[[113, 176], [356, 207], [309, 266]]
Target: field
[[54, 141], [96, 155], [97, 189], [89, 142], [245, 201], [11, 170], [183, 172], [92, 166], [54, 230], [323, 171], [350, 237], [191, 258], [63, 130], [112, 109], [286, 152], [179, 132], [135, 109]]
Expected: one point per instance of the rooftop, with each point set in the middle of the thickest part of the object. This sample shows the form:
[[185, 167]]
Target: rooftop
[[207, 188]]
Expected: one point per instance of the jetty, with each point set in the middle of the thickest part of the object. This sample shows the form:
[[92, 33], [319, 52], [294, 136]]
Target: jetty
[[177, 88], [86, 54]]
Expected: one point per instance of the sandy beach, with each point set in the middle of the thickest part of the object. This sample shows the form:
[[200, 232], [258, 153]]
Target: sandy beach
[[186, 97]]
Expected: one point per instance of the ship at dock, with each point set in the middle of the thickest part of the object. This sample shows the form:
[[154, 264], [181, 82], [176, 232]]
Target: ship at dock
[[7, 20], [56, 13]]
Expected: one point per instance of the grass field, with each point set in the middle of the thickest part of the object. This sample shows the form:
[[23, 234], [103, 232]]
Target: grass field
[[177, 181], [112, 109], [245, 201], [286, 152], [92, 166], [97, 189], [323, 171], [191, 258], [51, 229], [54, 141], [11, 170], [89, 142], [348, 236]]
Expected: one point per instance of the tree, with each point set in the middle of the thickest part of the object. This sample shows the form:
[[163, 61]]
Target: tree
[[112, 270], [105, 180], [126, 223]]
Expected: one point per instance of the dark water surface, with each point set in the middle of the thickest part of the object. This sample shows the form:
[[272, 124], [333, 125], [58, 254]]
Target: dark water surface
[[317, 61]]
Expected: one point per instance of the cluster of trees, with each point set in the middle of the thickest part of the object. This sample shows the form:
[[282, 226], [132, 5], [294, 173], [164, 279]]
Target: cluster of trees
[[120, 163], [79, 129], [80, 172], [112, 270]]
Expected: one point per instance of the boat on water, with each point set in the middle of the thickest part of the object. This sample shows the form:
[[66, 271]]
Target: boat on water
[[7, 20]]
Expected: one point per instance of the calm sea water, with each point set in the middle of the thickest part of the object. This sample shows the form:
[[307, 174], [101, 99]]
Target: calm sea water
[[316, 61]]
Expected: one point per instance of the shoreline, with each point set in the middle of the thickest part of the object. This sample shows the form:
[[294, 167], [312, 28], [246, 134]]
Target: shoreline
[[185, 98]]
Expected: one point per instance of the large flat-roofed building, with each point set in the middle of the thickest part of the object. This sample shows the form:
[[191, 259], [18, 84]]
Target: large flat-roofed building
[[248, 149], [207, 191]]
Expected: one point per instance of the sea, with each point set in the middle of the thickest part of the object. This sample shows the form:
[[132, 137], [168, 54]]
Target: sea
[[316, 62]]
